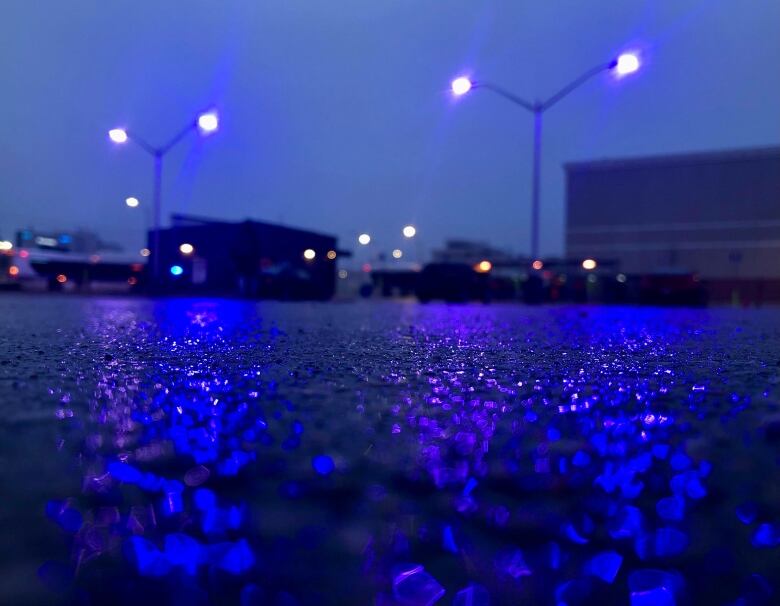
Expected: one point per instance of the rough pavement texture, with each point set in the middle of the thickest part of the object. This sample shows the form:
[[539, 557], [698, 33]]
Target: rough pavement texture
[[222, 452]]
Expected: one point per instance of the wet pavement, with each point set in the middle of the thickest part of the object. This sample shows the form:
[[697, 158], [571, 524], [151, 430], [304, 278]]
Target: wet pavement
[[220, 452]]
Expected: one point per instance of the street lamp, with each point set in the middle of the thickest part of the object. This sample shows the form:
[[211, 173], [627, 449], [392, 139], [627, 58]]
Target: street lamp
[[207, 123], [623, 65], [409, 231], [132, 202]]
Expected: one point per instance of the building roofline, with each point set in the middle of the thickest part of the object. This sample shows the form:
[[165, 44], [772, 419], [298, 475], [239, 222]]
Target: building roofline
[[676, 159], [180, 221]]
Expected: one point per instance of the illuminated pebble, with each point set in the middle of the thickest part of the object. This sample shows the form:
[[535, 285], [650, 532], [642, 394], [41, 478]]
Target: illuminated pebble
[[669, 542], [766, 535], [323, 465], [604, 565], [652, 587], [448, 540], [747, 512], [205, 499], [416, 587], [149, 560], [513, 563], [196, 475], [184, 551], [671, 508], [473, 595]]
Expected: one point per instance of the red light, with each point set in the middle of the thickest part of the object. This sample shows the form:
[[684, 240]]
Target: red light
[[24, 254], [62, 278], [132, 280], [366, 268]]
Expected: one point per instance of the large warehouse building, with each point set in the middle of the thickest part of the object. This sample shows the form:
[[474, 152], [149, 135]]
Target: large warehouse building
[[715, 215]]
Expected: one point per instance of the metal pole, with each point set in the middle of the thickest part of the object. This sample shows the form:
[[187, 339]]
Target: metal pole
[[157, 213], [538, 111]]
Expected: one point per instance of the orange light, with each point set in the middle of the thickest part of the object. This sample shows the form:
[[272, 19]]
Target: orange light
[[62, 278], [331, 254], [537, 264], [483, 267], [13, 270], [132, 280]]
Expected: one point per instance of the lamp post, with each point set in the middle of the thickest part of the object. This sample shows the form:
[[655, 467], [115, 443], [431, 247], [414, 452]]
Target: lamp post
[[207, 123], [625, 64]]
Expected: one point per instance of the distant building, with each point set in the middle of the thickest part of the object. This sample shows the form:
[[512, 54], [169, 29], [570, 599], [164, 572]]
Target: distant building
[[471, 253], [716, 215], [248, 258]]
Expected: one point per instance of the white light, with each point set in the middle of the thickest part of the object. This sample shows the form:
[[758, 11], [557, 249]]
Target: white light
[[589, 264], [343, 274], [6, 245], [627, 63], [621, 278], [460, 86], [145, 252], [409, 231], [186, 248], [364, 239], [118, 135], [208, 122], [309, 254], [131, 202], [398, 253]]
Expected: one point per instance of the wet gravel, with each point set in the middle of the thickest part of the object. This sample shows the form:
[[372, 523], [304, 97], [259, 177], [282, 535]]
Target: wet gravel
[[219, 452]]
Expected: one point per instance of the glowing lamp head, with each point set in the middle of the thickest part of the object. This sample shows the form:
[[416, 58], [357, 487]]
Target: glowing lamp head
[[176, 270], [460, 86], [309, 254], [118, 135], [145, 252], [409, 231], [13, 271], [589, 264], [331, 254], [62, 278], [364, 239], [208, 122], [625, 64], [6, 245], [398, 253], [483, 267], [186, 248], [132, 202]]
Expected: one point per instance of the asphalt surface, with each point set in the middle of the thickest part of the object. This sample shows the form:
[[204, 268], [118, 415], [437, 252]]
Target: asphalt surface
[[219, 452]]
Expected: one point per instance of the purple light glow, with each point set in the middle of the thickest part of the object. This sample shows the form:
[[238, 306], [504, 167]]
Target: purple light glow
[[208, 122], [460, 86], [118, 135], [627, 63]]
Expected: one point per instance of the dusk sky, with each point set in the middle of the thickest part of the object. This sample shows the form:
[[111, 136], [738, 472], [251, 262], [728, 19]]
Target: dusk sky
[[337, 116]]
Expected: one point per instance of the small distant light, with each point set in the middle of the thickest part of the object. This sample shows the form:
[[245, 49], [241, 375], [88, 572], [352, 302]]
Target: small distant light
[[483, 267], [537, 264], [592, 278], [460, 86], [343, 274], [208, 122], [186, 248], [331, 254], [627, 63], [61, 278], [309, 254], [132, 280], [364, 239], [366, 267], [118, 135], [13, 270], [176, 270], [132, 202], [24, 254], [398, 253], [94, 258], [6, 245], [145, 252], [409, 231], [621, 278], [589, 264]]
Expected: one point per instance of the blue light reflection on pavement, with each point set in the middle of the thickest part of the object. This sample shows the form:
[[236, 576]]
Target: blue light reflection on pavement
[[401, 454]]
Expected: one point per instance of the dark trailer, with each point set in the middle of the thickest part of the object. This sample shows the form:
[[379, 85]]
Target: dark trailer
[[250, 259]]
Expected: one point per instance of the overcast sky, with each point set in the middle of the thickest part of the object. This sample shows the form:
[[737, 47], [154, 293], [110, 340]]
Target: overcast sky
[[336, 115]]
